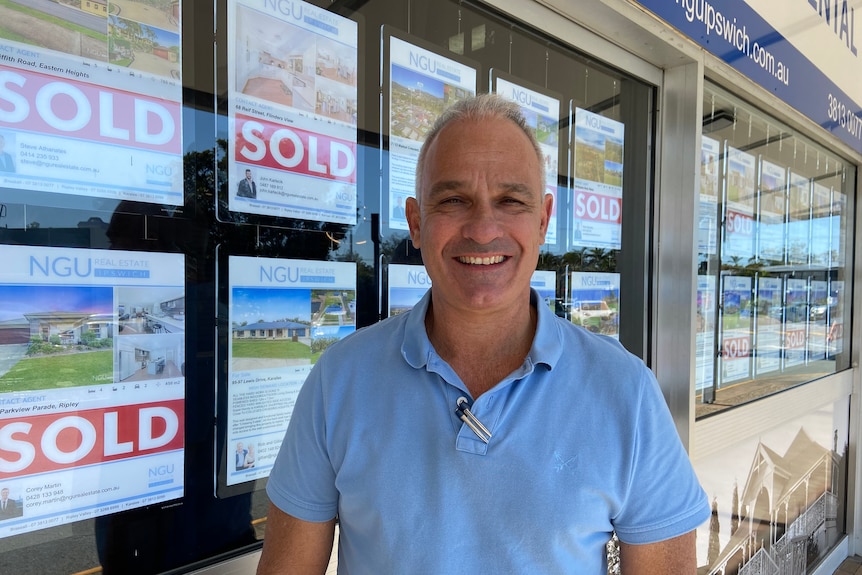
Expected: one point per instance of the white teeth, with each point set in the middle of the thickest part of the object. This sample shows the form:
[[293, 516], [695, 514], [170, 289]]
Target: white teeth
[[486, 261]]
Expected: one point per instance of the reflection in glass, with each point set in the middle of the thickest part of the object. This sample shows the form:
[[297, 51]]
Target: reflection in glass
[[772, 238]]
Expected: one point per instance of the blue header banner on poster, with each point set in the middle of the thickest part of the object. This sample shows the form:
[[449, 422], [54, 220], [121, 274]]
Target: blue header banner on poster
[[736, 33]]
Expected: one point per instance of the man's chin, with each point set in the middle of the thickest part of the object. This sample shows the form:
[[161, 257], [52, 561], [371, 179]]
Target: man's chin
[[493, 297]]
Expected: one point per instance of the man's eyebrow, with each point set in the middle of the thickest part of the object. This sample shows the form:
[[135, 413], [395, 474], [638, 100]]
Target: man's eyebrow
[[520, 189], [444, 186]]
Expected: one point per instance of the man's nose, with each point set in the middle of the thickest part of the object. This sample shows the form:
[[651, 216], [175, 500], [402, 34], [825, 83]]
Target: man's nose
[[483, 224]]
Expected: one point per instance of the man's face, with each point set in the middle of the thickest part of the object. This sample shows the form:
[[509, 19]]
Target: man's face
[[4, 494], [247, 175], [239, 447], [482, 216]]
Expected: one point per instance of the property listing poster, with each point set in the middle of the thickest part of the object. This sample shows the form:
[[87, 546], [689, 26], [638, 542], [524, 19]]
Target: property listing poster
[[835, 311], [773, 202], [709, 179], [767, 328], [818, 318], [799, 220], [292, 77], [92, 107], [542, 113], [821, 224], [705, 333], [407, 285], [283, 315], [794, 335], [838, 229], [598, 189], [595, 302], [91, 407], [800, 457], [740, 195], [421, 85], [735, 329]]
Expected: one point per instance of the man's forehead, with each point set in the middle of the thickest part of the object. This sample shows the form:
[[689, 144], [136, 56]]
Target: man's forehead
[[494, 165], [501, 128], [474, 141], [468, 149]]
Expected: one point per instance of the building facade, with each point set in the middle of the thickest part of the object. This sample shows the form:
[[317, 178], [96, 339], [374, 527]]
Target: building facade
[[216, 190]]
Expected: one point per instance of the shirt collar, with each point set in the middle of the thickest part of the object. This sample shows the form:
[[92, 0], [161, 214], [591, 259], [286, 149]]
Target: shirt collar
[[547, 343], [416, 346]]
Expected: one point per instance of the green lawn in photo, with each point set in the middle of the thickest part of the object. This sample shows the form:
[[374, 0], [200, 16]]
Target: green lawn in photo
[[51, 19], [732, 321], [614, 151], [56, 371], [273, 349], [10, 35], [613, 178]]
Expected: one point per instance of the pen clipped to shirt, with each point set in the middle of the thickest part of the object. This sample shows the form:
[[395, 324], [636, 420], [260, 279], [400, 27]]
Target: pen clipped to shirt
[[462, 409]]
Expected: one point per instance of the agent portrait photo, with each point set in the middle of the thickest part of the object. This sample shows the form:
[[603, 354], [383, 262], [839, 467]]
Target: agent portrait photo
[[9, 508], [398, 210], [6, 162], [246, 188], [239, 456]]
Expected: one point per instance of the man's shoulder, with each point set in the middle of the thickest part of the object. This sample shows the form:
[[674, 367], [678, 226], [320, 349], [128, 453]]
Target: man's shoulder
[[363, 357], [590, 350], [572, 333]]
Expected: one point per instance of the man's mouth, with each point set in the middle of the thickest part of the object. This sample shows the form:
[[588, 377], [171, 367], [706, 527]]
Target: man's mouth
[[483, 261]]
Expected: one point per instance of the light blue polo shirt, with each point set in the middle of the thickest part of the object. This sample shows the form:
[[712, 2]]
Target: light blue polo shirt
[[582, 444]]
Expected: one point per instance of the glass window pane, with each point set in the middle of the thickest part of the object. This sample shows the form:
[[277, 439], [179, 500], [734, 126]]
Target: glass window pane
[[773, 281]]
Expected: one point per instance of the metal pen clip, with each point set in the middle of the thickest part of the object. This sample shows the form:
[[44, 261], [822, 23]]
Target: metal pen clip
[[471, 420]]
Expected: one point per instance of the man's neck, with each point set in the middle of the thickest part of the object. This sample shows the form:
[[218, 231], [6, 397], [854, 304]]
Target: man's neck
[[482, 348]]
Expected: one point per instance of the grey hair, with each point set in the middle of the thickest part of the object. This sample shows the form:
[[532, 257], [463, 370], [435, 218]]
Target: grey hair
[[480, 107]]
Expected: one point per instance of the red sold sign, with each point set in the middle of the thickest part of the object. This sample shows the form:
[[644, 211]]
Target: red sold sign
[[40, 443], [794, 338], [738, 223], [597, 207], [295, 150], [736, 347], [41, 103]]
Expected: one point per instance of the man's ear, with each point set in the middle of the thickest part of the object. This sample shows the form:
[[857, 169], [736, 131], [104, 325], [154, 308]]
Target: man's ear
[[411, 211], [547, 210]]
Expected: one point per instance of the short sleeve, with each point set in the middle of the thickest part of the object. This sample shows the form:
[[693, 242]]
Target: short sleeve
[[302, 482], [664, 498]]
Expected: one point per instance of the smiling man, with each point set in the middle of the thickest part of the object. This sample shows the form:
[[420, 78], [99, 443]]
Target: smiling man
[[479, 218], [480, 433]]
